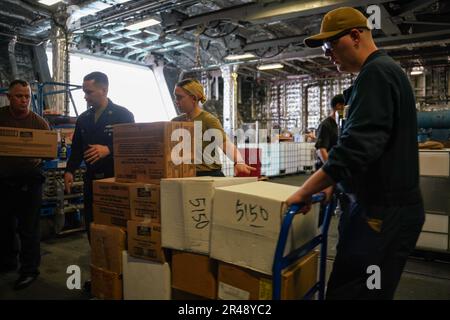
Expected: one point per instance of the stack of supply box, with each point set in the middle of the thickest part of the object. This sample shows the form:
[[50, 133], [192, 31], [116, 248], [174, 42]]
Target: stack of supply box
[[244, 233], [129, 204], [186, 218]]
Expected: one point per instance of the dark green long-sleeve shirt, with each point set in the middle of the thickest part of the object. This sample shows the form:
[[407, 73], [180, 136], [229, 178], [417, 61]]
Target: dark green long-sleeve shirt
[[377, 154]]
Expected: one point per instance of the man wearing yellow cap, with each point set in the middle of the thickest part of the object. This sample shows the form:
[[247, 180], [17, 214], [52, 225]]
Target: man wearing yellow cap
[[375, 163]]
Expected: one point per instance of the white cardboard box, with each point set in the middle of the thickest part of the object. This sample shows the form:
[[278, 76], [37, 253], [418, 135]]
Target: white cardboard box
[[145, 280], [247, 222], [186, 211], [434, 163], [436, 223], [432, 241]]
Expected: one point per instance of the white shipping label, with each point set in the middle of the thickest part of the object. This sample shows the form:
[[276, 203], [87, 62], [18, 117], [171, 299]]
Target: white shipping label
[[227, 292]]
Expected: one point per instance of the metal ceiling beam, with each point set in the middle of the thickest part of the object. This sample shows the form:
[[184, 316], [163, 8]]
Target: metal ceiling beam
[[406, 39], [412, 40], [7, 26], [181, 46], [149, 48], [33, 9], [141, 6], [294, 55], [272, 43], [409, 8], [275, 11], [285, 73], [298, 68], [430, 23], [387, 25], [15, 16], [267, 74], [319, 65]]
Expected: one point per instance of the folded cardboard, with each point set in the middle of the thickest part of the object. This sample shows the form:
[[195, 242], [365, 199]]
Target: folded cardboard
[[145, 280], [105, 284], [144, 240], [237, 283], [186, 207], [144, 151], [194, 273], [107, 244], [247, 222], [136, 201], [22, 142]]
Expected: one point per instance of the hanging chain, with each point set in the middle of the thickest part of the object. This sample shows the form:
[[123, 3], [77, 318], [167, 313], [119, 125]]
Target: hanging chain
[[198, 32]]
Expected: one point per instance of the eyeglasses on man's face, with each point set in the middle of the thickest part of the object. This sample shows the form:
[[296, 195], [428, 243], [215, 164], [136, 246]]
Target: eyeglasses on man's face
[[331, 42]]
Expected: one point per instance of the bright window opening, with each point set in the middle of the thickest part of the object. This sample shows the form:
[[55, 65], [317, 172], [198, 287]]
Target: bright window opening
[[132, 86]]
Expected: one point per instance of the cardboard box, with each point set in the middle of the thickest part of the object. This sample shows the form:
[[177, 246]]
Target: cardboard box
[[105, 284], [186, 207], [111, 216], [107, 244], [237, 283], [183, 295], [434, 163], [247, 222], [145, 280], [22, 142], [136, 201], [144, 240], [143, 151], [194, 273]]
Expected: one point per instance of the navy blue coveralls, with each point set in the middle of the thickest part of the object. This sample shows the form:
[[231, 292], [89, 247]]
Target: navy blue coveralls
[[87, 132], [376, 164]]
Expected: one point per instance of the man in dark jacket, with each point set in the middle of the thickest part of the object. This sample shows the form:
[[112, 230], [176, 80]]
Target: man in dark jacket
[[375, 163], [92, 140], [327, 133]]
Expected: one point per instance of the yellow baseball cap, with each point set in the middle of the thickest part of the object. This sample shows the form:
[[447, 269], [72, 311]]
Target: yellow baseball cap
[[335, 22]]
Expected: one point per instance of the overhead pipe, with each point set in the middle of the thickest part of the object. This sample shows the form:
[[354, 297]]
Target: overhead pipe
[[15, 16], [160, 6], [29, 8]]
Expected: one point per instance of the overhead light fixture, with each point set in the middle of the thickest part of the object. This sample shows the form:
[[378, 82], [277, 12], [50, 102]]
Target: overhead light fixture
[[240, 56], [49, 2], [271, 66], [143, 24], [416, 71]]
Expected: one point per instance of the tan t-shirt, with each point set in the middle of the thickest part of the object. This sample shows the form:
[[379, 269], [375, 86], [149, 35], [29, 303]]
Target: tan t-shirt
[[208, 122], [19, 166]]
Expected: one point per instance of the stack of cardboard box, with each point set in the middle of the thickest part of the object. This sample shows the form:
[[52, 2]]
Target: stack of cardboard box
[[129, 204], [245, 230], [107, 244], [210, 237], [186, 207]]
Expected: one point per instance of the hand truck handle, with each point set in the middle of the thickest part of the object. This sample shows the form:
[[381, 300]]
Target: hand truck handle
[[295, 208]]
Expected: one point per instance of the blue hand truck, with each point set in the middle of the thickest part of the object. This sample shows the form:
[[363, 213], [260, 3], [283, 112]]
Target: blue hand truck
[[281, 262]]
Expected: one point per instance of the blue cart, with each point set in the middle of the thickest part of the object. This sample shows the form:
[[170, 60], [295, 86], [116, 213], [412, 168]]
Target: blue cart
[[281, 262]]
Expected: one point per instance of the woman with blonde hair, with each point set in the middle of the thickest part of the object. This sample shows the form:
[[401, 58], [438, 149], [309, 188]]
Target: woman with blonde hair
[[188, 94]]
